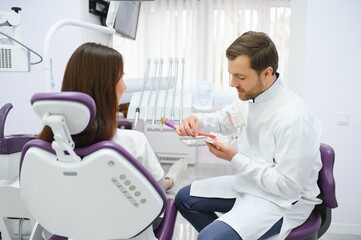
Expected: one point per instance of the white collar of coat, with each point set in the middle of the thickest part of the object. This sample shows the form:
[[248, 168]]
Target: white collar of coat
[[270, 92]]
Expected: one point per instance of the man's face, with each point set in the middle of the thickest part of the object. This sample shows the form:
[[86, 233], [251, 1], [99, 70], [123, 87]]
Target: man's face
[[245, 79]]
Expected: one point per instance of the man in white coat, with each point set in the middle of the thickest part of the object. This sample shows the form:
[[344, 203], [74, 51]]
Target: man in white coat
[[277, 159]]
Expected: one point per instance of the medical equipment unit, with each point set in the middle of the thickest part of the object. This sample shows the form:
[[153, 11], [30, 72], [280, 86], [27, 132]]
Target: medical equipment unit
[[14, 56], [158, 96], [95, 192], [163, 97], [15, 220]]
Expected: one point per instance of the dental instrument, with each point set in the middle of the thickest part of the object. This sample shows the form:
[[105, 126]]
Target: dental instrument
[[169, 78], [174, 147], [175, 88], [182, 90], [157, 93], [151, 91], [168, 122], [137, 110]]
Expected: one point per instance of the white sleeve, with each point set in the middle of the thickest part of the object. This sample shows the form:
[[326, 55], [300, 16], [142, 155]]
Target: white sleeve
[[218, 121], [137, 145], [296, 161]]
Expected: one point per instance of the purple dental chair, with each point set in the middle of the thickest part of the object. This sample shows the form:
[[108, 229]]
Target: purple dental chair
[[96, 192], [11, 207], [320, 219]]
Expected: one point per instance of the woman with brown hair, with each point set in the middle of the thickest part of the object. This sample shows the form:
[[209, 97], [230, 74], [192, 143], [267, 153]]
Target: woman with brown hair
[[97, 70]]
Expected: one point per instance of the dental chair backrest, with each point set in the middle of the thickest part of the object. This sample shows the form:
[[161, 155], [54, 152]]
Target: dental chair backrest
[[95, 192]]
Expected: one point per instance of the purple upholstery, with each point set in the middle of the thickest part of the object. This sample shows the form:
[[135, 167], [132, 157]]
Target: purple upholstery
[[12, 143], [124, 124], [318, 222], [165, 229], [308, 229], [326, 181], [56, 237], [4, 111]]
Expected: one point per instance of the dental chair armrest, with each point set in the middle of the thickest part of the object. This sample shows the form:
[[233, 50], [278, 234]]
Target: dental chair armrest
[[166, 227], [124, 124]]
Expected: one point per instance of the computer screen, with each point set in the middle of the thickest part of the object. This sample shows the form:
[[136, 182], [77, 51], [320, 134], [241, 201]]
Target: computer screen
[[123, 16]]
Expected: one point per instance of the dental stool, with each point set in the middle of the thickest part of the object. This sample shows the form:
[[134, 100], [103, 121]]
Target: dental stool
[[12, 212], [96, 192], [320, 219]]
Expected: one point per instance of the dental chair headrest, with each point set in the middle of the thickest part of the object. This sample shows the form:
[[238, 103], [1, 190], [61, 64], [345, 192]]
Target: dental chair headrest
[[77, 108]]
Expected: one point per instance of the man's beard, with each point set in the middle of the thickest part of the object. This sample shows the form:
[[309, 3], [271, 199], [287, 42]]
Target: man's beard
[[252, 93]]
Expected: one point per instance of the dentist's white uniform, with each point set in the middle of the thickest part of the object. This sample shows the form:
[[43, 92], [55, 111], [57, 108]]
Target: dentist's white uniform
[[138, 146], [276, 167]]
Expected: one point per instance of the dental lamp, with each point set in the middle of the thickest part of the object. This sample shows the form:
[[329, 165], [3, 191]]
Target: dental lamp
[[48, 71], [13, 57], [11, 19]]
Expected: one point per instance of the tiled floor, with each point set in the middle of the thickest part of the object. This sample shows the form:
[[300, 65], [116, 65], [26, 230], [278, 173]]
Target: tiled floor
[[184, 231]]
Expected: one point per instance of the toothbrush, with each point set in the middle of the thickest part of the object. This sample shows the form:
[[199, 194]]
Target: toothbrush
[[206, 135], [170, 124]]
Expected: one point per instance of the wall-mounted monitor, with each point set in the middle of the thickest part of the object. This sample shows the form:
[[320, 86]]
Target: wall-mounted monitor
[[123, 16]]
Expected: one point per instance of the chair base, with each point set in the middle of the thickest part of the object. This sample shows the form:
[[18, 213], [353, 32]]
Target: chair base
[[12, 209]]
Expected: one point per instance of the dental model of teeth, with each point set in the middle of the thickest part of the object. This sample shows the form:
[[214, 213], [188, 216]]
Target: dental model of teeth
[[224, 139], [236, 119]]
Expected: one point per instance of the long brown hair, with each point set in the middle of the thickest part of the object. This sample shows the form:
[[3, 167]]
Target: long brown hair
[[94, 69]]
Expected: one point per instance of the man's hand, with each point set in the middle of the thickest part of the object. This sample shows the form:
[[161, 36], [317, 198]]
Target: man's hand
[[188, 127], [221, 151]]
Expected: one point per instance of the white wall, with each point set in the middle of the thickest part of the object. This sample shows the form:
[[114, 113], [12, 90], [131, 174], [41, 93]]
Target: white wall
[[325, 60], [37, 17]]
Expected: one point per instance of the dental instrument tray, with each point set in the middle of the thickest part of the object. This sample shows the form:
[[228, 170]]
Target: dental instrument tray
[[194, 141], [210, 138]]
